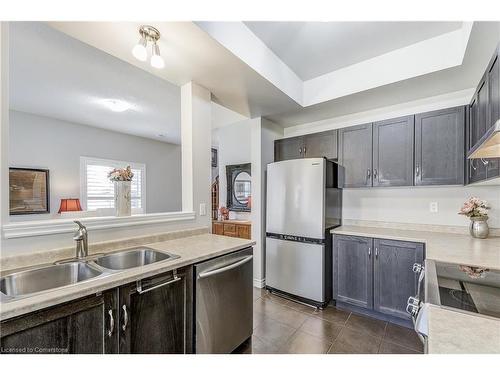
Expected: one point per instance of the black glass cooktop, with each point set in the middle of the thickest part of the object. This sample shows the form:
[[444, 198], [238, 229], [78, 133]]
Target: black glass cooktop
[[469, 288]]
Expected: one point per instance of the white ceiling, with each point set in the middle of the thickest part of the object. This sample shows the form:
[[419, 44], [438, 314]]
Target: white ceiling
[[246, 78], [312, 49], [55, 75]]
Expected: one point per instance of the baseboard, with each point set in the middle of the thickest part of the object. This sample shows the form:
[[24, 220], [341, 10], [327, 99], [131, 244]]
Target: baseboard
[[259, 283]]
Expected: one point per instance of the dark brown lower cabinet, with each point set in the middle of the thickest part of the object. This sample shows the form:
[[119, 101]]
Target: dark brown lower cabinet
[[80, 326], [153, 315], [393, 278], [353, 271], [375, 274]]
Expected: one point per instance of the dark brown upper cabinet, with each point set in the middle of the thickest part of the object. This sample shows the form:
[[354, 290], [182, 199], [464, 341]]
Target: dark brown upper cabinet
[[316, 145], [493, 108], [355, 155], [321, 145], [484, 111], [393, 152], [440, 147]]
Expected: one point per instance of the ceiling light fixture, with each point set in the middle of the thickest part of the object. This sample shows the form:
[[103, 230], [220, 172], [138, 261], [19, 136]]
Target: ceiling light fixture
[[116, 105], [149, 34]]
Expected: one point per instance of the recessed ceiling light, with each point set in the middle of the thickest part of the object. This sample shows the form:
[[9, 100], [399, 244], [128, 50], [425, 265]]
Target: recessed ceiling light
[[116, 105]]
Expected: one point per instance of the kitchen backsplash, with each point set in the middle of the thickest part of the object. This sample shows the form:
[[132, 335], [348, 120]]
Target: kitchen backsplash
[[412, 205]]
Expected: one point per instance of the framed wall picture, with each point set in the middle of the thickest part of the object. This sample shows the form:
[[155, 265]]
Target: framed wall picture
[[28, 191], [214, 158]]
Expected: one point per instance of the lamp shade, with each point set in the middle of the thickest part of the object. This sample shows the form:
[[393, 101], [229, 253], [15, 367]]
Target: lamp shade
[[70, 204]]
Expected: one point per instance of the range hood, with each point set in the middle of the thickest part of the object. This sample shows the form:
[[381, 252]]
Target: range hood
[[489, 144]]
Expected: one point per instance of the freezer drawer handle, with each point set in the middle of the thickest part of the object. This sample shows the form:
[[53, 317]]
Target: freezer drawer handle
[[226, 268]]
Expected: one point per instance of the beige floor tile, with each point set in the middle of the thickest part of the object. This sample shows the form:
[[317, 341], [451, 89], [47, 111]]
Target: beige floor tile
[[274, 298], [367, 325], [273, 332], [332, 314], [304, 343], [258, 293], [256, 346], [391, 348], [280, 313], [403, 336], [322, 329], [350, 341], [300, 307]]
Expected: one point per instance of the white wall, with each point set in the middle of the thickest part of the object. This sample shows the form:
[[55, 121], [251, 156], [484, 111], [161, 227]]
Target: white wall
[[264, 133], [411, 205], [234, 145], [43, 142]]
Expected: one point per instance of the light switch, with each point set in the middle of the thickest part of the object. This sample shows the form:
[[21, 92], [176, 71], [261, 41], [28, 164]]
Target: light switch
[[203, 209], [433, 207]]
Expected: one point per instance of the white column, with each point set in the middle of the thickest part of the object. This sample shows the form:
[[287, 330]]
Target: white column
[[263, 135], [4, 126], [196, 143]]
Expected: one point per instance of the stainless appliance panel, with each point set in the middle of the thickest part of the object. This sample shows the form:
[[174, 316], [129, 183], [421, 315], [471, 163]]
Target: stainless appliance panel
[[224, 302], [296, 197], [297, 268]]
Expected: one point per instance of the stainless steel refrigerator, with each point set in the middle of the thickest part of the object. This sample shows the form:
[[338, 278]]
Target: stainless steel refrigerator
[[304, 202]]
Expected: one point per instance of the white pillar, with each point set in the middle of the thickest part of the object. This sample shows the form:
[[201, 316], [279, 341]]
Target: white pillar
[[196, 143], [4, 125]]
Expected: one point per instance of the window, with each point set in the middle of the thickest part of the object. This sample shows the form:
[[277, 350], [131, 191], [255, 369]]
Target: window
[[97, 191]]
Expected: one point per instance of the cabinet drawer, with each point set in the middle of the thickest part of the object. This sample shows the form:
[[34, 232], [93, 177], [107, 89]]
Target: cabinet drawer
[[218, 228], [230, 230], [244, 231]]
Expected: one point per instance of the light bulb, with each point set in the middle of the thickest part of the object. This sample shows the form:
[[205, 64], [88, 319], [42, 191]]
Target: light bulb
[[156, 59], [139, 51]]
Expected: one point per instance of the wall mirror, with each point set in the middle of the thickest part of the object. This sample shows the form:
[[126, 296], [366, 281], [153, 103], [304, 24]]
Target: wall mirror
[[239, 187], [78, 112]]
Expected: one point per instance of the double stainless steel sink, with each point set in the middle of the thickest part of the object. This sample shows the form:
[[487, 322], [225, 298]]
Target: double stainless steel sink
[[44, 278]]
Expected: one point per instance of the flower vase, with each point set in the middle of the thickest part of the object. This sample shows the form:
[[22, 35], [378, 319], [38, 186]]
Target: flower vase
[[123, 205], [479, 227]]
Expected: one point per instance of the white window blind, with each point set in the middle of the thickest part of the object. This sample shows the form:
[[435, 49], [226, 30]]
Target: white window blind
[[98, 191]]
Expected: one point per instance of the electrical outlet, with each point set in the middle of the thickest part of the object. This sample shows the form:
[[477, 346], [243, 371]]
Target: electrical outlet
[[203, 209], [433, 207]]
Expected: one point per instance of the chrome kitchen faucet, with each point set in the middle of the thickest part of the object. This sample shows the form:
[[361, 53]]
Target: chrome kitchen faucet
[[81, 238]]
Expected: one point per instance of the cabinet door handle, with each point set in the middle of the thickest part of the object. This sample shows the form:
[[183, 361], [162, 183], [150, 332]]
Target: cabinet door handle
[[300, 150], [375, 174], [138, 285], [417, 170], [369, 252], [225, 268], [125, 318], [376, 253], [111, 323], [368, 174], [305, 150]]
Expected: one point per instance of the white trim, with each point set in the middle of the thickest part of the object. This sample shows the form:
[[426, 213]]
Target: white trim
[[85, 160], [259, 283], [57, 226], [451, 99]]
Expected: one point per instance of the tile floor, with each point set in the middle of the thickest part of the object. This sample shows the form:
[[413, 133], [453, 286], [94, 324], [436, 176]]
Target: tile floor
[[282, 326]]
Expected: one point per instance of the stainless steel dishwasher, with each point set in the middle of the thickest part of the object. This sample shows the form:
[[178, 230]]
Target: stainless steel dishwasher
[[224, 302]]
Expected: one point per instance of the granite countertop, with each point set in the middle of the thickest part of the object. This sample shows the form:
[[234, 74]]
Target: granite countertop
[[449, 331], [192, 249]]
